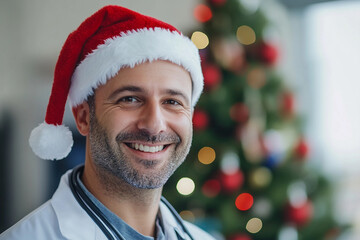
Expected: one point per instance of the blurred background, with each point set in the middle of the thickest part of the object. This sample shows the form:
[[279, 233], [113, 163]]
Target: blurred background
[[276, 133]]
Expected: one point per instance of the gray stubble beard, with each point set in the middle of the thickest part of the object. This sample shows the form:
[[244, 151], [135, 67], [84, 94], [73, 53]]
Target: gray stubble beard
[[113, 165]]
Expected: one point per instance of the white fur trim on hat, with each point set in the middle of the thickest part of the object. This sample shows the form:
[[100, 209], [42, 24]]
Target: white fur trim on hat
[[51, 142], [130, 49]]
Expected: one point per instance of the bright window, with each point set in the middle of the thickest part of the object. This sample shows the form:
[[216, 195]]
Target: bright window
[[332, 45]]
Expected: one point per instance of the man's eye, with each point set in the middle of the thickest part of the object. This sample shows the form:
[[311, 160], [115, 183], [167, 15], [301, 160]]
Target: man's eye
[[172, 102], [128, 99]]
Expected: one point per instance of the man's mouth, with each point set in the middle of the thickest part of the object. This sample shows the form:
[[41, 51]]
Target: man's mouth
[[145, 148]]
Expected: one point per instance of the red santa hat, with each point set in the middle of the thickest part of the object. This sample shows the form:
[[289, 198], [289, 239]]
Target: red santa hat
[[112, 38]]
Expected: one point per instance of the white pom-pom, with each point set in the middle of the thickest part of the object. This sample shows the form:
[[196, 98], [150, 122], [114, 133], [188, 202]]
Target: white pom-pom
[[51, 142]]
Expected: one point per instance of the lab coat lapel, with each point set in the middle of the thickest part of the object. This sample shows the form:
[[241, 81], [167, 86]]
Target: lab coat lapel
[[74, 222], [173, 230]]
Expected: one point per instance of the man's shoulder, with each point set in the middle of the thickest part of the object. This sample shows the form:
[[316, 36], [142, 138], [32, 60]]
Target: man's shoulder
[[36, 225], [197, 232]]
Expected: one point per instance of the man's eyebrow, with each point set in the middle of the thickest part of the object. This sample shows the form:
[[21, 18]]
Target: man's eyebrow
[[129, 88]]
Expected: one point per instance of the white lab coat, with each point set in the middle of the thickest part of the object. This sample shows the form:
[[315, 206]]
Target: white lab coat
[[63, 218]]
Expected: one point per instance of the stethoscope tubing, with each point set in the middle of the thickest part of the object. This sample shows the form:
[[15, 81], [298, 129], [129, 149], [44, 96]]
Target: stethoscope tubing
[[91, 209], [99, 218]]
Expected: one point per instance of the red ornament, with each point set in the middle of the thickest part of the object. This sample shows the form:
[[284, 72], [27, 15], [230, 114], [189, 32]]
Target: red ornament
[[239, 112], [211, 188], [240, 236], [268, 53], [202, 13], [200, 120], [231, 182], [302, 149], [244, 201], [218, 3], [288, 103], [299, 215], [212, 75]]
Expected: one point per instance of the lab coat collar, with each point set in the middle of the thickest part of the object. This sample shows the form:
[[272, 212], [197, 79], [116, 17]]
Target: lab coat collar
[[74, 222], [172, 228]]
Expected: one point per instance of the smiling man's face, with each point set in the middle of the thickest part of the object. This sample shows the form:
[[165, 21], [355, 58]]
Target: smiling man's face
[[141, 125]]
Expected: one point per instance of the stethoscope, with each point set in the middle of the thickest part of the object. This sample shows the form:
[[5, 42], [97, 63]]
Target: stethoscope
[[98, 217]]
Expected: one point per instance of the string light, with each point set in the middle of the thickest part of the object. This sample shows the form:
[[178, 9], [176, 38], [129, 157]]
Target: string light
[[200, 39], [206, 155], [245, 35], [185, 186], [202, 13], [244, 201], [254, 225]]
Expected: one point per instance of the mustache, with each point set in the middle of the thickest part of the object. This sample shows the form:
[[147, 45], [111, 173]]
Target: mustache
[[145, 136]]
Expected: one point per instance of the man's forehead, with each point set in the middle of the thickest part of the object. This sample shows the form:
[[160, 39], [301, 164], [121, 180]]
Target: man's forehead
[[153, 71], [160, 75]]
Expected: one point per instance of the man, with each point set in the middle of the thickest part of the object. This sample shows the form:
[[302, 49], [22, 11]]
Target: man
[[132, 82]]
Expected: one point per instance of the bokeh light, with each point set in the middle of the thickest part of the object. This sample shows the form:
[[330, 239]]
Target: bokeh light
[[244, 201], [254, 225], [187, 215], [260, 177], [185, 186], [206, 155], [232, 182], [230, 163], [200, 39], [202, 13], [297, 193], [251, 5], [245, 35], [288, 233], [275, 143]]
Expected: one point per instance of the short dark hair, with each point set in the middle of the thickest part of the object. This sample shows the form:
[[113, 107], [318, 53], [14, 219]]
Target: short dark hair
[[91, 102]]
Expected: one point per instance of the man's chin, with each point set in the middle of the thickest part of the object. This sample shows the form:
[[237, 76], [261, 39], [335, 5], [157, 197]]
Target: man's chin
[[146, 184]]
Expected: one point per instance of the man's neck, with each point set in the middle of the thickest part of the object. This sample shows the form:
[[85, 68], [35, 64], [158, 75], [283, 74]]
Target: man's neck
[[137, 207]]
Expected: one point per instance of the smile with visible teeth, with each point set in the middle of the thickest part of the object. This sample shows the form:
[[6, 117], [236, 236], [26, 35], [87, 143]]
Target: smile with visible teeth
[[144, 148]]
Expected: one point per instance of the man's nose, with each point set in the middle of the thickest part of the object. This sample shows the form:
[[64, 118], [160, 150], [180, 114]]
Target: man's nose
[[152, 118]]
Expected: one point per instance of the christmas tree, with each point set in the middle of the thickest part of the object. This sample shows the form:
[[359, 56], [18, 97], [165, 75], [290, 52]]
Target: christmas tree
[[248, 174]]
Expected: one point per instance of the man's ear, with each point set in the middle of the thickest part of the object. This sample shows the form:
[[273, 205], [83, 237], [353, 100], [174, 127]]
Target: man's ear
[[82, 118]]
